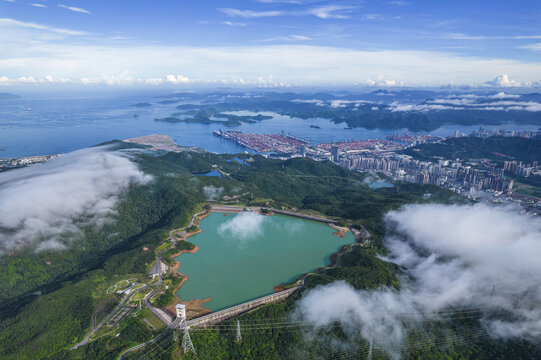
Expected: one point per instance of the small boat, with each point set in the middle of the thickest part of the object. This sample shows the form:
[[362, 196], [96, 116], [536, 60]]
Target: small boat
[[29, 109]]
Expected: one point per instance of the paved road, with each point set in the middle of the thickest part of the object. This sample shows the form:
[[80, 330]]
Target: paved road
[[149, 296], [171, 233], [122, 302], [86, 339]]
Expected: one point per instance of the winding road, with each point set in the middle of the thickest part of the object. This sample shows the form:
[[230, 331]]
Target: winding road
[[171, 233], [157, 286], [87, 338]]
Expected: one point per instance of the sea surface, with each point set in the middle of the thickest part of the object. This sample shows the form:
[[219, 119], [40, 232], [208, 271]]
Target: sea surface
[[65, 123], [231, 269]]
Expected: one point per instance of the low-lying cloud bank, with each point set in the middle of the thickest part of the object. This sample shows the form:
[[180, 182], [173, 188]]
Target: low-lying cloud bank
[[243, 227], [462, 257], [40, 203], [212, 192]]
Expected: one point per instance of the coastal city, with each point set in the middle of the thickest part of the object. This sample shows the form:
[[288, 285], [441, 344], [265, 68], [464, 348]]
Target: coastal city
[[471, 178]]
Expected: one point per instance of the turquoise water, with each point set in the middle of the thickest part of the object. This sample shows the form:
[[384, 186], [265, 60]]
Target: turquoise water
[[242, 257]]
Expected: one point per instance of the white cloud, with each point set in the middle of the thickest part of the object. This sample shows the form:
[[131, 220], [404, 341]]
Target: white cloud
[[331, 12], [75, 9], [230, 23], [497, 102], [322, 12], [179, 79], [459, 36], [38, 5], [533, 47], [399, 3], [289, 38], [7, 22], [212, 192], [243, 227], [382, 82], [455, 257], [41, 203], [35, 50], [310, 101], [504, 81], [249, 14]]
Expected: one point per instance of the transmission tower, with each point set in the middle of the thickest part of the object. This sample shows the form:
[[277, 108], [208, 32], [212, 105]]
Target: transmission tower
[[238, 338], [186, 340]]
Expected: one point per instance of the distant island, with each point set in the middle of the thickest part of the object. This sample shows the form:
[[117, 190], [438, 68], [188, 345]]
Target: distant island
[[204, 117], [415, 110], [142, 104], [8, 96], [315, 127]]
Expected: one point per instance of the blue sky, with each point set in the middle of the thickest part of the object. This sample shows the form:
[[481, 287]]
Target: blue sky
[[270, 42]]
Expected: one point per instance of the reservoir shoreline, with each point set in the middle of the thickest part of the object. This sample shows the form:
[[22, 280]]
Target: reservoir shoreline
[[331, 260]]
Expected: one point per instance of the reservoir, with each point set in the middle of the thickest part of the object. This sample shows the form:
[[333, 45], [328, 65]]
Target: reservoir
[[241, 257]]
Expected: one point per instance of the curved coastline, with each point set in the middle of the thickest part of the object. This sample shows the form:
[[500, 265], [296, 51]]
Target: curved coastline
[[184, 277]]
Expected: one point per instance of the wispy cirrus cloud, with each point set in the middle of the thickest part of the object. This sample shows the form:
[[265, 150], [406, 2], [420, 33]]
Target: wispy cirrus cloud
[[35, 51], [38, 5], [289, 38], [30, 25], [231, 23], [533, 47], [322, 12], [249, 14], [399, 3], [459, 36], [74, 9], [331, 12]]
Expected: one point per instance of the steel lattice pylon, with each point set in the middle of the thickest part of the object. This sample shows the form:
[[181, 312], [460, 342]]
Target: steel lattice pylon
[[186, 340], [238, 338]]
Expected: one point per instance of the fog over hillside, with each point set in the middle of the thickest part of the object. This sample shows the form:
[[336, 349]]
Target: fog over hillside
[[460, 257], [40, 203]]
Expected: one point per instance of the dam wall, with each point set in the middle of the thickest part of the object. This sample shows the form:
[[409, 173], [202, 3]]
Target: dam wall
[[303, 216], [219, 316]]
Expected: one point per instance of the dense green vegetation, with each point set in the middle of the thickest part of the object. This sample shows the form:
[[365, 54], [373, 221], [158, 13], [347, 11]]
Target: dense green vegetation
[[168, 295], [73, 285], [494, 148], [269, 333], [204, 117], [180, 246]]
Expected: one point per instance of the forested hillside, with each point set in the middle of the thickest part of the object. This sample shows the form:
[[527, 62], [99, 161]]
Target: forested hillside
[[494, 148], [73, 286]]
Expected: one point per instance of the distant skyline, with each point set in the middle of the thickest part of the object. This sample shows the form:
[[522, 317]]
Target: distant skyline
[[270, 43]]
